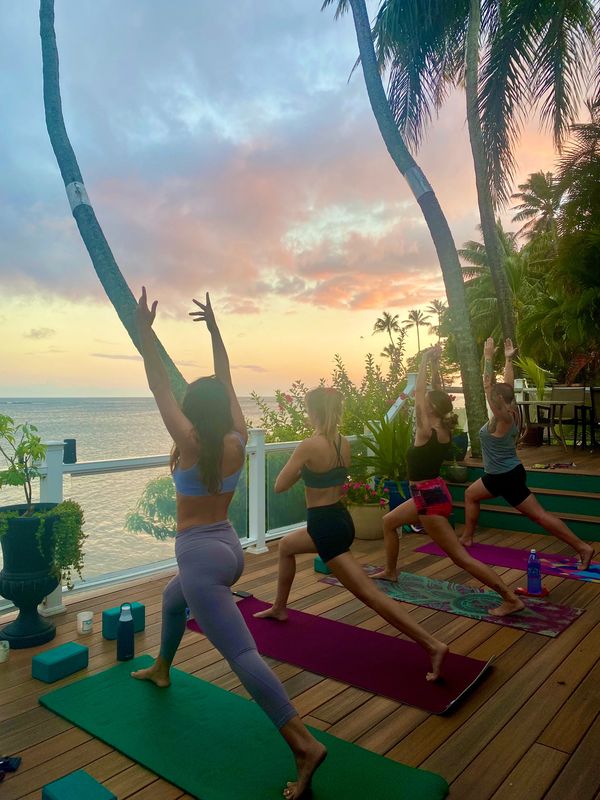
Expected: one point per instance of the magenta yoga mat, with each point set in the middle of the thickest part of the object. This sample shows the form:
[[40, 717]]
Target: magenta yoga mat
[[552, 564], [383, 665]]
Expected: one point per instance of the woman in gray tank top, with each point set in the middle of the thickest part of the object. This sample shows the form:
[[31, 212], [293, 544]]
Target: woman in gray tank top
[[504, 474]]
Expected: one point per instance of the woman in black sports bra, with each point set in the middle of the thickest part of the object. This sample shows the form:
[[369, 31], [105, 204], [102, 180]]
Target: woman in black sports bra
[[430, 503], [323, 461]]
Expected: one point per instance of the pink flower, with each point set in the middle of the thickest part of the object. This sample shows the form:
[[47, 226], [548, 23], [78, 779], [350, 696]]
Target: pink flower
[[382, 502], [385, 489], [357, 485]]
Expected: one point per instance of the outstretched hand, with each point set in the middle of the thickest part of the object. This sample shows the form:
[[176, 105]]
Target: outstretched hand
[[206, 313], [489, 348], [144, 314], [510, 350]]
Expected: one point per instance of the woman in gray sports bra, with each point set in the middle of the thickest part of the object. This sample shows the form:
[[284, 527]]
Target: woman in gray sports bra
[[504, 474], [209, 434], [323, 461]]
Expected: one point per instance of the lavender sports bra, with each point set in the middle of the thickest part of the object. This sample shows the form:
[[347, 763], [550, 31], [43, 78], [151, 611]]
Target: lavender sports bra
[[187, 481]]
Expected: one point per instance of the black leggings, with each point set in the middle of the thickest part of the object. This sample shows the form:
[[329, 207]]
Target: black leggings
[[331, 529]]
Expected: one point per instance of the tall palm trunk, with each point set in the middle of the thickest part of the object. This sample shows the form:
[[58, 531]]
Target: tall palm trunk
[[493, 246], [418, 339], [436, 222], [101, 255]]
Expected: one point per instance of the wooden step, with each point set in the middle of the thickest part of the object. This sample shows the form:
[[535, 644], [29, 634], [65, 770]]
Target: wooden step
[[511, 510]]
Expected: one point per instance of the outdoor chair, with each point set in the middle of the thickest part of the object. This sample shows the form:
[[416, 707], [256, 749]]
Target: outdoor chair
[[595, 416], [566, 406]]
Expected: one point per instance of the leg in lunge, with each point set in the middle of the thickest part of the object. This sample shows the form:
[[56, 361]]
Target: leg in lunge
[[404, 514], [173, 628], [440, 530], [289, 547]]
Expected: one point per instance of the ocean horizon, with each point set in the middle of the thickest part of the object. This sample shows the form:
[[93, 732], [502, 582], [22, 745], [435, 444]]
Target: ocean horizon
[[105, 428]]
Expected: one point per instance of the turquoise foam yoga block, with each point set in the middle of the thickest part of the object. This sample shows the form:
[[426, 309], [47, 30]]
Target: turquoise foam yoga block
[[57, 663], [321, 566], [78, 785], [110, 620]]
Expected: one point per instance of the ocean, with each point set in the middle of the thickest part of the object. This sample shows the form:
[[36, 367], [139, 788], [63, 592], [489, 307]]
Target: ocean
[[106, 428]]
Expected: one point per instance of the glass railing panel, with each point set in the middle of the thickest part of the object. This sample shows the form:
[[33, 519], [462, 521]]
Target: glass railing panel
[[287, 508]]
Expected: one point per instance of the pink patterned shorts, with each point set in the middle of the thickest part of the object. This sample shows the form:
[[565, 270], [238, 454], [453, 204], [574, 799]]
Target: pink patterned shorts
[[432, 497]]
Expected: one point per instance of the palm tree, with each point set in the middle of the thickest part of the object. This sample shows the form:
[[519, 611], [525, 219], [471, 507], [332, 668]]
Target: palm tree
[[532, 50], [98, 248], [432, 212], [415, 319], [387, 323], [539, 198], [439, 308]]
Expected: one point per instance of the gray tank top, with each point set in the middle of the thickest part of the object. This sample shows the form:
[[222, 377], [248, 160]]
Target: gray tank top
[[499, 452]]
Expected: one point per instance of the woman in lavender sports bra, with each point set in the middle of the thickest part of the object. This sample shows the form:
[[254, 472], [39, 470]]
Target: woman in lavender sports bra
[[504, 474], [209, 434]]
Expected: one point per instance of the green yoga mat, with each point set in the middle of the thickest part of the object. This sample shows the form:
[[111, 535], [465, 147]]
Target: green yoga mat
[[216, 745]]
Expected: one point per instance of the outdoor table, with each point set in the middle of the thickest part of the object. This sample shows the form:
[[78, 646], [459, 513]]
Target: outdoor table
[[579, 408]]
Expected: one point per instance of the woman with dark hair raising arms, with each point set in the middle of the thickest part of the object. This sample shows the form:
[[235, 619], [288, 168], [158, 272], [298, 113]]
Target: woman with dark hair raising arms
[[322, 461], [209, 435], [504, 474], [430, 503]]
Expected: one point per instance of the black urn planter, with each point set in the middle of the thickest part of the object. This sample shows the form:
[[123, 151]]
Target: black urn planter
[[26, 577]]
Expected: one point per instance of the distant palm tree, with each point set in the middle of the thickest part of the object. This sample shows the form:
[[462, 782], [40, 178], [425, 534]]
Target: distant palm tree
[[416, 318], [437, 307], [508, 56], [539, 198], [107, 269], [387, 323]]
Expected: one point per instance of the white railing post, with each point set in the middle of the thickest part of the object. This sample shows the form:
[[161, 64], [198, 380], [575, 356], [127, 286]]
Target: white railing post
[[409, 389], [257, 492], [51, 491]]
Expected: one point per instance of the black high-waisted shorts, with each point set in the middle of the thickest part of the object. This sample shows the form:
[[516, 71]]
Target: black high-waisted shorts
[[331, 529], [511, 485]]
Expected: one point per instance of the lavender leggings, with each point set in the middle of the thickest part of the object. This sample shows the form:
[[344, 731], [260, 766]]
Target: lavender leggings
[[211, 560]]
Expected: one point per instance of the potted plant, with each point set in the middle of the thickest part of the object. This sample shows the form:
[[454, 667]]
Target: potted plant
[[386, 443], [367, 504], [41, 542]]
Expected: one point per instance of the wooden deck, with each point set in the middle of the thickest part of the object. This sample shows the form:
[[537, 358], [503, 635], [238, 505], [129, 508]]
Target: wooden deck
[[586, 461], [530, 730]]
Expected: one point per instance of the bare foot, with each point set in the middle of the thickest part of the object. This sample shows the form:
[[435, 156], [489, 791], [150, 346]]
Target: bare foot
[[155, 673], [507, 607], [385, 575], [307, 764], [437, 659], [466, 539], [272, 613], [585, 557]]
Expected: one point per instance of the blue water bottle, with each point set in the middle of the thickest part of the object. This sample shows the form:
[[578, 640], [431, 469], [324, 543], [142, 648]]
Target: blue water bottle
[[125, 641], [534, 573]]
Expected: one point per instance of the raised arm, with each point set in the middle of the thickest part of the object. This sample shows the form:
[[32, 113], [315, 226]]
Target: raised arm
[[436, 378], [178, 425], [221, 361], [497, 405], [421, 388], [509, 353]]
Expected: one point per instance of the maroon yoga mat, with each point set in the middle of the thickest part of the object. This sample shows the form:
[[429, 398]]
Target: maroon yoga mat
[[372, 661], [551, 563]]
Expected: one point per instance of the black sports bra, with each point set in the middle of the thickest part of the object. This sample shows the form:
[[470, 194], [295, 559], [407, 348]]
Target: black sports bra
[[336, 476]]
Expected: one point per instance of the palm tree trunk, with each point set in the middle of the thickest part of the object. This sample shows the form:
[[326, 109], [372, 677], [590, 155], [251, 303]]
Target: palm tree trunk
[[101, 255], [491, 240], [418, 339], [436, 222]]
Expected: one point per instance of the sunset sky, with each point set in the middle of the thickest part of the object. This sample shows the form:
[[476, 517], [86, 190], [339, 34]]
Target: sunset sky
[[223, 149]]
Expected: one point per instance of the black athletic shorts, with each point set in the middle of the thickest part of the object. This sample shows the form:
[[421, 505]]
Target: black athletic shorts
[[511, 485], [331, 529]]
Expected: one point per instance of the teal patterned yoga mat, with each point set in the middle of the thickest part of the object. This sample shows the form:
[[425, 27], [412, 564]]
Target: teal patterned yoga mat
[[538, 616]]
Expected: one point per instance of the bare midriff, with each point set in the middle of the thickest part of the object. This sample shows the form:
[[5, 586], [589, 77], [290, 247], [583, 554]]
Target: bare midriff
[[315, 498], [192, 511]]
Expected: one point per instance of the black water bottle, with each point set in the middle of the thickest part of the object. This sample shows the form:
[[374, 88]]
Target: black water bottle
[[125, 642]]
